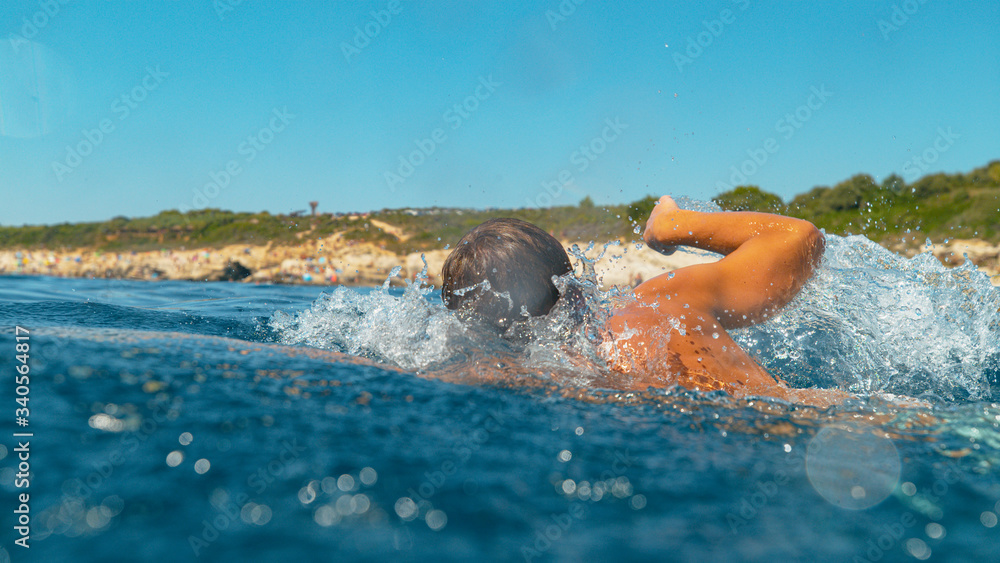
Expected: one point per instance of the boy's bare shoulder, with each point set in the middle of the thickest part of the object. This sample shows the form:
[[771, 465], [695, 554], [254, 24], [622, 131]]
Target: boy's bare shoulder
[[653, 343], [665, 342]]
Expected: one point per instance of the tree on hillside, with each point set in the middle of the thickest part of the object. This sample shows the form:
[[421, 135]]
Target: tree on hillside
[[805, 204], [993, 172], [640, 210], [749, 198], [894, 183], [848, 195], [984, 176], [933, 185], [852, 193]]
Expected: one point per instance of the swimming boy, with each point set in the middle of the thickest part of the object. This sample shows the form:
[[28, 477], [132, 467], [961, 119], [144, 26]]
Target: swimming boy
[[675, 330]]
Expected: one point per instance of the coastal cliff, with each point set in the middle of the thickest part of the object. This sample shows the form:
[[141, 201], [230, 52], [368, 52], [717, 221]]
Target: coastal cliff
[[362, 248], [336, 261]]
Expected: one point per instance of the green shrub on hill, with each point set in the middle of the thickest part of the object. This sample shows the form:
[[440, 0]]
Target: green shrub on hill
[[937, 206], [749, 198]]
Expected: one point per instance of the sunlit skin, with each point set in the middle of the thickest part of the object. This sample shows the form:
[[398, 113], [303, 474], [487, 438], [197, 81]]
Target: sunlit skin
[[675, 332]]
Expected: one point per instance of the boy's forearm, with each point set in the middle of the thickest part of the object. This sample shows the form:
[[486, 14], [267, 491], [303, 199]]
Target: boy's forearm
[[722, 232]]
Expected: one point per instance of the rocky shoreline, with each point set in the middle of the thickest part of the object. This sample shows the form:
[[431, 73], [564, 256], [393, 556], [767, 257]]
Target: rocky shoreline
[[334, 262]]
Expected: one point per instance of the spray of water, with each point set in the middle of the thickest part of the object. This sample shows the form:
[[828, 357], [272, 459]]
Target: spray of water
[[869, 321], [410, 331], [872, 321]]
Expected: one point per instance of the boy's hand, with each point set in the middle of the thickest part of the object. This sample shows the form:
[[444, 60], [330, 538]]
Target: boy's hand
[[656, 237]]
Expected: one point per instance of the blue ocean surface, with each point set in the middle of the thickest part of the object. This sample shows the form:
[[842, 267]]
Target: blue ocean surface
[[179, 421]]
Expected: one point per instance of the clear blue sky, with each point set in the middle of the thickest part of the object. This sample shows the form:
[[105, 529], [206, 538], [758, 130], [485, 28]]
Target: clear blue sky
[[329, 113]]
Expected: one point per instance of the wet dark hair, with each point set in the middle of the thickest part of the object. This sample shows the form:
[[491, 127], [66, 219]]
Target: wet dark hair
[[503, 269]]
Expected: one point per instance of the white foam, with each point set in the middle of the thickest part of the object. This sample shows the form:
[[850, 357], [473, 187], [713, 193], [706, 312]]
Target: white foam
[[873, 321], [409, 331]]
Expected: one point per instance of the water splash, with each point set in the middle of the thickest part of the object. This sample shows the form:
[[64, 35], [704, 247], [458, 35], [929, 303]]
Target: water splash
[[565, 344], [410, 331], [696, 205], [873, 321], [415, 331], [869, 321]]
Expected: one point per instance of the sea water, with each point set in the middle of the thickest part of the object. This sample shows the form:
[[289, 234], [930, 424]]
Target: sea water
[[175, 421]]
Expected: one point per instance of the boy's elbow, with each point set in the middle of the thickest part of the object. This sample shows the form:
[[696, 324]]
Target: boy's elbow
[[813, 241]]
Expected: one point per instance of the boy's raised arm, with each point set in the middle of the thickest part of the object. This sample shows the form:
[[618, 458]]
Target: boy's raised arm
[[767, 260]]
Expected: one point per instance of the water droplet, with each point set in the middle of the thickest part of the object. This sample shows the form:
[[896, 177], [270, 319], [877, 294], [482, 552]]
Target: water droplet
[[97, 518], [175, 458], [406, 508], [328, 484], [436, 519], [326, 516], [361, 503], [307, 494], [917, 548], [368, 476], [345, 483]]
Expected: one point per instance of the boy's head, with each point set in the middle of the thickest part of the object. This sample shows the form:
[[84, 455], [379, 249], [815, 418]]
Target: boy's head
[[517, 259]]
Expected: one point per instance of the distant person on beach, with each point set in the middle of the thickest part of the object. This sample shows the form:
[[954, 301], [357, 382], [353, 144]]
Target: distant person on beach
[[675, 330]]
